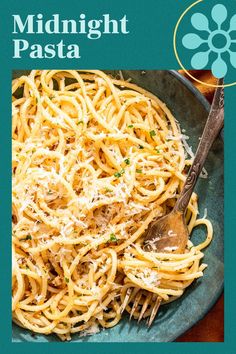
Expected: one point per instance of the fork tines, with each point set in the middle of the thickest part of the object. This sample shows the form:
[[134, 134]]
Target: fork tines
[[154, 311], [145, 306], [143, 302]]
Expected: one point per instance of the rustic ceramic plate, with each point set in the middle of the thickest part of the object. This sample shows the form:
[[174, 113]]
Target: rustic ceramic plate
[[190, 109]]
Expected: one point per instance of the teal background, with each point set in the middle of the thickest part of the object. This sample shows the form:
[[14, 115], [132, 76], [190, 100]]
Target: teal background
[[148, 46]]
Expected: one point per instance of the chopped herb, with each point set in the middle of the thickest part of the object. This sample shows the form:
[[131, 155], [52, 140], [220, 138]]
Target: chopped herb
[[130, 126], [119, 174], [28, 237], [113, 238], [51, 97], [157, 150], [127, 161], [141, 147], [80, 122], [66, 280], [152, 133], [139, 171], [27, 267], [108, 189]]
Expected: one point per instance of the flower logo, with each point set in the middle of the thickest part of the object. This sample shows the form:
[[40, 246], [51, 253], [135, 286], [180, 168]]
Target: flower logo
[[218, 41]]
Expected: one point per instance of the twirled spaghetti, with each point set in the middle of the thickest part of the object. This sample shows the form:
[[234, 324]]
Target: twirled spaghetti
[[95, 160]]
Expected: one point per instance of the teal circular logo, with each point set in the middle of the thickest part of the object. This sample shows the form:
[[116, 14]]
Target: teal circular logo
[[218, 40], [208, 39]]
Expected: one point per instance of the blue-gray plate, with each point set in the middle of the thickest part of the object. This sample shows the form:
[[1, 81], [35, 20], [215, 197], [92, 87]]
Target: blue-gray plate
[[191, 109]]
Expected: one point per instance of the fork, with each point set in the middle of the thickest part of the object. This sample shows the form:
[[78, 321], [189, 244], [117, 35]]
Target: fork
[[148, 307], [162, 240]]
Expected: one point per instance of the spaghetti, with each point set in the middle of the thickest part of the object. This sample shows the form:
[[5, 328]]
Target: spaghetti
[[95, 161]]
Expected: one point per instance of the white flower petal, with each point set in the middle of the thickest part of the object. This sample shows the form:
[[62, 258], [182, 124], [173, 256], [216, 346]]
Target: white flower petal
[[219, 14], [192, 41], [200, 22], [219, 68], [232, 58], [233, 23], [200, 60]]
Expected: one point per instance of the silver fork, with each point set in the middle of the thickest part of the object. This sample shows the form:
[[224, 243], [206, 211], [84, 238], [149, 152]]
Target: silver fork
[[149, 305], [176, 220]]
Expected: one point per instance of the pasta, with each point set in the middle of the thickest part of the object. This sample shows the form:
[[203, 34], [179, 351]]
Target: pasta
[[95, 161]]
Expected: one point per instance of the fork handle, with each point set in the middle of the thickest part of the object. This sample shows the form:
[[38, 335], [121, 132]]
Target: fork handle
[[212, 128]]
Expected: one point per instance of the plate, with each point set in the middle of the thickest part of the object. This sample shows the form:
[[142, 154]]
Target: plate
[[191, 109]]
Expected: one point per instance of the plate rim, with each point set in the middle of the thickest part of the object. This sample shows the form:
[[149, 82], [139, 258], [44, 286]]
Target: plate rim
[[186, 82]]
